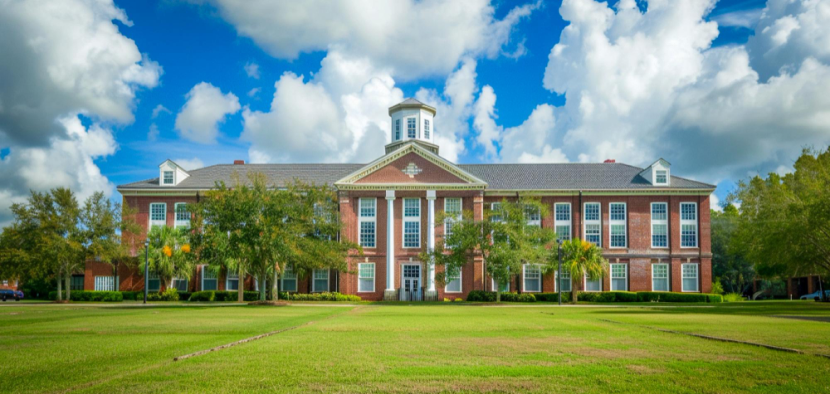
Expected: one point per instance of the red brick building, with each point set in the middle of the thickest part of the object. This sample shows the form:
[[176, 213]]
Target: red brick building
[[652, 226]]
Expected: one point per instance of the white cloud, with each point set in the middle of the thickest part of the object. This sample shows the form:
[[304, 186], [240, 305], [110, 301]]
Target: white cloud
[[205, 109], [158, 110], [743, 18], [252, 69], [61, 59], [714, 202], [153, 133], [436, 33], [190, 164], [253, 93]]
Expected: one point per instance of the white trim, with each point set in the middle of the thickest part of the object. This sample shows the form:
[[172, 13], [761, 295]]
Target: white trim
[[215, 278], [585, 284], [683, 277], [359, 277], [525, 278], [612, 222], [689, 222], [657, 177], [667, 279], [228, 280], [562, 223], [448, 221], [597, 222], [292, 276], [410, 219], [530, 211], [495, 286], [460, 282], [150, 216], [180, 223], [367, 219], [625, 276], [556, 281], [314, 281], [663, 222]]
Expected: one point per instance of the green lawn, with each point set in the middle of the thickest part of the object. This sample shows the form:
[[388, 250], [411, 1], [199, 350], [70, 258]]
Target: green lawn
[[417, 348]]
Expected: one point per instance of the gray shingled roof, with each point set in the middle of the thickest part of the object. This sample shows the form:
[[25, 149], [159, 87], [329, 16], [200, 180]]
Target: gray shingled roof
[[411, 101], [559, 176]]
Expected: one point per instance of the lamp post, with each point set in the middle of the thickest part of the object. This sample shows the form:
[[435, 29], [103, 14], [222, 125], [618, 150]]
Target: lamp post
[[559, 277], [146, 267]]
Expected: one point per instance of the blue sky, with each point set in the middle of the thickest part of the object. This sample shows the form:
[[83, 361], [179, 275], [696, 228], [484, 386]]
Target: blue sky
[[650, 89]]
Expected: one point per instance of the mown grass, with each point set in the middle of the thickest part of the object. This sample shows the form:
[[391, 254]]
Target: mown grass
[[403, 348]]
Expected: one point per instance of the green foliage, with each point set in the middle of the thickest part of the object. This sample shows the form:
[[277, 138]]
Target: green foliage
[[91, 296], [38, 288], [333, 296], [169, 254], [717, 288], [628, 296], [581, 258], [733, 297], [132, 295], [490, 296], [222, 296], [729, 265]]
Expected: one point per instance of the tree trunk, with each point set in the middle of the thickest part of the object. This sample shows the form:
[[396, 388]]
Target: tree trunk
[[262, 287], [60, 278], [240, 287], [498, 295], [275, 291], [573, 291], [68, 280]]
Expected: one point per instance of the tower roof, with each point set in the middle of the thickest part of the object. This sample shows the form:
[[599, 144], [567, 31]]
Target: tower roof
[[411, 103]]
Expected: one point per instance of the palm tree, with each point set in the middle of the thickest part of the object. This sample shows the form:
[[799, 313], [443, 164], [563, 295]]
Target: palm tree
[[169, 255], [582, 258]]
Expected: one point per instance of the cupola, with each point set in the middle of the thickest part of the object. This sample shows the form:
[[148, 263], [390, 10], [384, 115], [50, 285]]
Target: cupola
[[412, 121]]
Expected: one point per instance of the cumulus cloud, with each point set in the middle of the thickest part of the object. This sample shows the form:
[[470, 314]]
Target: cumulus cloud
[[743, 18], [158, 110], [437, 33], [205, 109], [252, 69], [190, 164], [59, 60]]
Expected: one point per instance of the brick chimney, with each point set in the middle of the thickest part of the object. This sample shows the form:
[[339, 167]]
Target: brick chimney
[[238, 162], [610, 161]]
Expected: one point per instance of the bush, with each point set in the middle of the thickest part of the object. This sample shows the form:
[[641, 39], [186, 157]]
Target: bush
[[333, 296], [222, 296], [91, 296], [647, 296], [202, 296], [490, 296], [132, 295], [733, 297], [717, 288]]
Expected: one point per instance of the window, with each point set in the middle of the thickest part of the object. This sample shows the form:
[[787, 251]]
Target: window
[[288, 279], [367, 222], [104, 283], [659, 225], [180, 284], [158, 214], [533, 216], [77, 282], [618, 225], [661, 177], [688, 225], [504, 288], [397, 129], [593, 224], [452, 208], [495, 212], [153, 282], [232, 281], [593, 284], [619, 277], [565, 282], [321, 281], [453, 282], [660, 277], [182, 216], [209, 281], [689, 277], [411, 223], [426, 128], [410, 127], [532, 278], [168, 177], [562, 221], [366, 277]]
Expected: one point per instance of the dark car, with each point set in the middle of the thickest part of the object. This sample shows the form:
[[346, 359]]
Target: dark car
[[9, 294]]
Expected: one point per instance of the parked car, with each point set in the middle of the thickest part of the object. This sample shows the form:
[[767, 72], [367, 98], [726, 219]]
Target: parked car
[[9, 294], [815, 296]]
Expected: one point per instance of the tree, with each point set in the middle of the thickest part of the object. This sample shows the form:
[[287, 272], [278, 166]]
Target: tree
[[735, 272], [506, 240], [582, 258], [784, 221], [169, 254]]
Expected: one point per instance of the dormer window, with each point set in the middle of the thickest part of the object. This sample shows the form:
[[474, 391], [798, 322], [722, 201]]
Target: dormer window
[[661, 177], [168, 178], [410, 127]]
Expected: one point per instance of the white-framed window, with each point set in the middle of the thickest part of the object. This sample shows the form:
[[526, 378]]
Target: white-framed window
[[397, 129], [505, 288], [168, 177], [288, 279], [593, 284], [661, 177], [366, 277], [180, 284], [209, 281], [619, 277], [659, 225], [411, 222], [688, 225], [426, 128], [532, 276], [618, 223], [565, 282], [410, 127], [104, 283], [533, 216], [158, 214], [320, 281], [689, 276], [452, 209], [453, 282], [562, 221], [182, 215], [367, 222], [593, 223], [660, 277], [232, 281], [495, 214], [153, 282]]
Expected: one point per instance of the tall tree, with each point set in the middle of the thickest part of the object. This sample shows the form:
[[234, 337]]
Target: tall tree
[[582, 258], [169, 254], [735, 272]]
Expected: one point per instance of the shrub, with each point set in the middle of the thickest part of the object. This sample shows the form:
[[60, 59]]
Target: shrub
[[132, 295], [202, 296], [91, 296], [490, 296], [646, 296], [733, 297], [717, 288], [222, 296], [333, 296], [170, 294], [626, 296], [458, 300]]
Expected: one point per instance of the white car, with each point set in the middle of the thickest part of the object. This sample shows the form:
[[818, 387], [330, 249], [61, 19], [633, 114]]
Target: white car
[[815, 296]]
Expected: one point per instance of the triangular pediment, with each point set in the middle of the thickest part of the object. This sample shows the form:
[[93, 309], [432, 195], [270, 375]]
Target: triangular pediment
[[410, 167]]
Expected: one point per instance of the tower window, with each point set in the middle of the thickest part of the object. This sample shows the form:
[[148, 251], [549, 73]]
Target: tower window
[[410, 127], [397, 129], [426, 128]]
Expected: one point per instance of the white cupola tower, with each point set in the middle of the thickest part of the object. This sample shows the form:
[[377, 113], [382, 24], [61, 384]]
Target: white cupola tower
[[412, 121]]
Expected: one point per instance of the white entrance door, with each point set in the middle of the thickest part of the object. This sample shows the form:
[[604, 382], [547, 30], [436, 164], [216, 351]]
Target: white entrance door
[[411, 282]]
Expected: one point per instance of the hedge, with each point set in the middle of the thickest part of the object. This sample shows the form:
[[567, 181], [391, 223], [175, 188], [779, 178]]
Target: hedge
[[90, 296], [605, 296], [334, 296], [490, 296], [223, 296]]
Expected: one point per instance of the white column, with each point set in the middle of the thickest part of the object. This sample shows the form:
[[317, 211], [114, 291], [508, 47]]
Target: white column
[[390, 240], [431, 238]]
